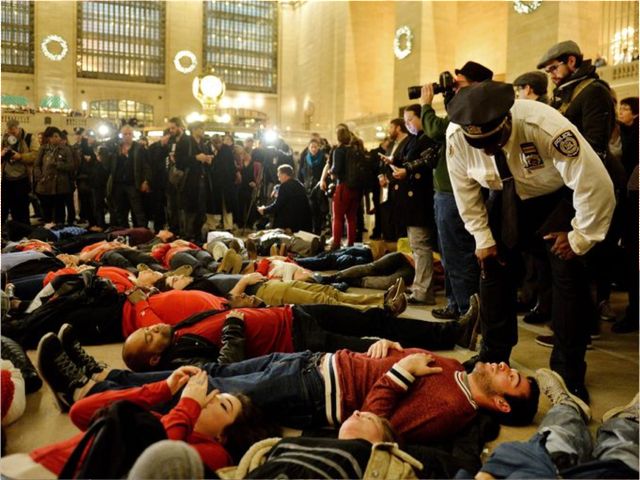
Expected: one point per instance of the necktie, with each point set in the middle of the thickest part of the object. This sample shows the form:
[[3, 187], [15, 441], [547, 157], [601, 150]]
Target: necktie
[[509, 205]]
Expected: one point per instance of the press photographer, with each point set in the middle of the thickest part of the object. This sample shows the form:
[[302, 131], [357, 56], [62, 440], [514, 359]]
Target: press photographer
[[16, 159], [457, 246]]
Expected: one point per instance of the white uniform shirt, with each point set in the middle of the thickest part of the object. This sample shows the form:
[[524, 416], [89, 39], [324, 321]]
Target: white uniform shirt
[[545, 152]]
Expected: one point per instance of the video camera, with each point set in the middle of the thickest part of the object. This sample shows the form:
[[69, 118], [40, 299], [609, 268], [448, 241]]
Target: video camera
[[446, 84]]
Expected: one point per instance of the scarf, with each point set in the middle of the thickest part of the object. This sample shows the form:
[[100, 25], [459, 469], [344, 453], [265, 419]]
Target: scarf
[[314, 161]]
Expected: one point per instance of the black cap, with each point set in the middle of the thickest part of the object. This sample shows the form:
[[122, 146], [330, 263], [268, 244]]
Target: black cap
[[475, 72], [481, 109], [536, 80]]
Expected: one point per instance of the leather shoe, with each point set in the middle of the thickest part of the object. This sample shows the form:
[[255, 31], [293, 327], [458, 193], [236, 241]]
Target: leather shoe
[[447, 313], [535, 317]]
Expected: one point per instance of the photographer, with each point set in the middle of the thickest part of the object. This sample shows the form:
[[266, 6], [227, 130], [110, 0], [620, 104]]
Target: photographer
[[456, 244], [52, 172], [16, 159]]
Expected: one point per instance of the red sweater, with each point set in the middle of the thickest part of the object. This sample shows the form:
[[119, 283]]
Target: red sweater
[[421, 409], [164, 252], [118, 276], [266, 330], [178, 423], [168, 307]]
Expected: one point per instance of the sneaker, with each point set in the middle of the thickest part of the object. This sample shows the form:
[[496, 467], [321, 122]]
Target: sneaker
[[469, 323], [549, 340], [606, 312], [630, 410], [58, 371], [13, 351], [447, 313], [553, 386], [77, 354]]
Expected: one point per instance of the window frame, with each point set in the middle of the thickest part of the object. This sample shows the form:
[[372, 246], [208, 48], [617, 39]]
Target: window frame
[[30, 45]]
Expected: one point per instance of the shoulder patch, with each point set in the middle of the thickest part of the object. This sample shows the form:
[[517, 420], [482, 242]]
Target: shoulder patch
[[567, 144]]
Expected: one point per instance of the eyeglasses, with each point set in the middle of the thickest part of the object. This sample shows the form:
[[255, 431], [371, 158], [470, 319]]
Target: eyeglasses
[[553, 68]]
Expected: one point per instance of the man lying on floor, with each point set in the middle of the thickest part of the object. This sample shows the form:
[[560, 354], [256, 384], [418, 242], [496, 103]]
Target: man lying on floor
[[312, 390]]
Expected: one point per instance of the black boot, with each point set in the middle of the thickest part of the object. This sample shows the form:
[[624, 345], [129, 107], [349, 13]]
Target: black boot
[[77, 354], [232, 340], [13, 352], [58, 370]]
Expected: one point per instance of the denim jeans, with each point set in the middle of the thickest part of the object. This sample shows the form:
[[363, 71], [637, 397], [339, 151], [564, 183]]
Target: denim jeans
[[287, 386], [457, 249], [563, 442], [338, 259], [380, 274]]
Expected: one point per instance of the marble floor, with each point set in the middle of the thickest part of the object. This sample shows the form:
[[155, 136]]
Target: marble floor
[[612, 380]]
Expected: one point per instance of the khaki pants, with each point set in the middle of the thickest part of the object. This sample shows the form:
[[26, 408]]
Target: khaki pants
[[302, 293]]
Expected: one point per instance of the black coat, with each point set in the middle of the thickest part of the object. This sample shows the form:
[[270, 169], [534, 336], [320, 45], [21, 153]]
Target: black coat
[[291, 208], [223, 177], [196, 193], [592, 111], [413, 196]]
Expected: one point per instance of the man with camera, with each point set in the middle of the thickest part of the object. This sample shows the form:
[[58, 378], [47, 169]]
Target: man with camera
[[548, 190], [16, 160], [456, 244]]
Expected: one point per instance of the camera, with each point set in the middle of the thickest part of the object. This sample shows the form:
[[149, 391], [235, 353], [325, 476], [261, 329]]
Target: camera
[[446, 84]]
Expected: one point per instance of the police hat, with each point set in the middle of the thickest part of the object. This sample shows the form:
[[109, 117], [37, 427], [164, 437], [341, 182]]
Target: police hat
[[568, 47], [481, 109], [475, 72], [536, 80]]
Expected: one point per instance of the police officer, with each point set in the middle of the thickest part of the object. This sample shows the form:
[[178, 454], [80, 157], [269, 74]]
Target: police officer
[[548, 190]]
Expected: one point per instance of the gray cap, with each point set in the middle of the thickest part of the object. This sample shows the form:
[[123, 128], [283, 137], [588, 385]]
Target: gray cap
[[568, 47], [12, 123], [536, 80]]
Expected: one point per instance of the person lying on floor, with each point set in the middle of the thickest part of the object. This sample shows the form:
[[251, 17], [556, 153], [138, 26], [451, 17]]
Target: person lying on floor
[[218, 425], [379, 274], [562, 446], [259, 331], [314, 390], [112, 253], [253, 289]]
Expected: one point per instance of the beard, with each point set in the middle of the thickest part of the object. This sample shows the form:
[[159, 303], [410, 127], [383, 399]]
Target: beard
[[483, 379]]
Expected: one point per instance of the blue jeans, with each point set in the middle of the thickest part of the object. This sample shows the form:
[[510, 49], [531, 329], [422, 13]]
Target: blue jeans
[[287, 386], [457, 249], [338, 259], [564, 437]]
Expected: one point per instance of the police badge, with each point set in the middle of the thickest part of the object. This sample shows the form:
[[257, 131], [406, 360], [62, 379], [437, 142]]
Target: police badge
[[530, 157], [567, 144]]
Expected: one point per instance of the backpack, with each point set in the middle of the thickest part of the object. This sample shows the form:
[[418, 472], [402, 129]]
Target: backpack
[[358, 169], [116, 438], [85, 300]]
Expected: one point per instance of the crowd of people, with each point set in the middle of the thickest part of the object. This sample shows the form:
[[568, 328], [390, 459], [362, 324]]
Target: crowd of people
[[228, 336]]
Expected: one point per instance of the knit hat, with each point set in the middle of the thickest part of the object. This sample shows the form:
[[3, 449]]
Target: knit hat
[[168, 459]]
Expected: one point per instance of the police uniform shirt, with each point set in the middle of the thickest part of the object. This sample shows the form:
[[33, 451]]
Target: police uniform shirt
[[544, 152]]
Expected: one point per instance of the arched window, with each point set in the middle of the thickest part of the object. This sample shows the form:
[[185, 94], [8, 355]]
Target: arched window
[[17, 36], [121, 40], [117, 109], [241, 42]]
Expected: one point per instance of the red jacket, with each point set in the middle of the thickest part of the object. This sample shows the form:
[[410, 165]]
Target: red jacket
[[167, 307], [266, 330], [178, 423]]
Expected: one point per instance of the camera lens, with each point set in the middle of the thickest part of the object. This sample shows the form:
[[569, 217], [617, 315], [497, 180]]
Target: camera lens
[[414, 92]]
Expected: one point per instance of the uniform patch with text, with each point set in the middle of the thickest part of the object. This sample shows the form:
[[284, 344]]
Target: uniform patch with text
[[567, 144], [531, 159]]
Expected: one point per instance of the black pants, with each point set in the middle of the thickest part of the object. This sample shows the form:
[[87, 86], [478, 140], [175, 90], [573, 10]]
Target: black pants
[[99, 205], [327, 328], [570, 296], [53, 208], [15, 200], [379, 274], [70, 208], [87, 210], [125, 198], [128, 258], [201, 261]]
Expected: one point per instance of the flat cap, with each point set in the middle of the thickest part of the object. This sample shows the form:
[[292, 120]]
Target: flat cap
[[481, 109], [12, 123], [475, 72], [538, 81], [568, 47]]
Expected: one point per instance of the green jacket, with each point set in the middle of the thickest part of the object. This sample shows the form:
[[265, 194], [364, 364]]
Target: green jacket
[[435, 128], [387, 461]]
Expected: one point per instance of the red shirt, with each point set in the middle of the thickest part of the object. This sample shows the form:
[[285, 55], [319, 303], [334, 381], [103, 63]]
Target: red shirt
[[118, 276], [266, 330], [434, 407], [165, 252], [167, 307], [178, 424]]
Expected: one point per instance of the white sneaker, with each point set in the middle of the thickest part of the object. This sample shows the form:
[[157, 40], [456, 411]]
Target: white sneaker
[[553, 386], [630, 410]]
